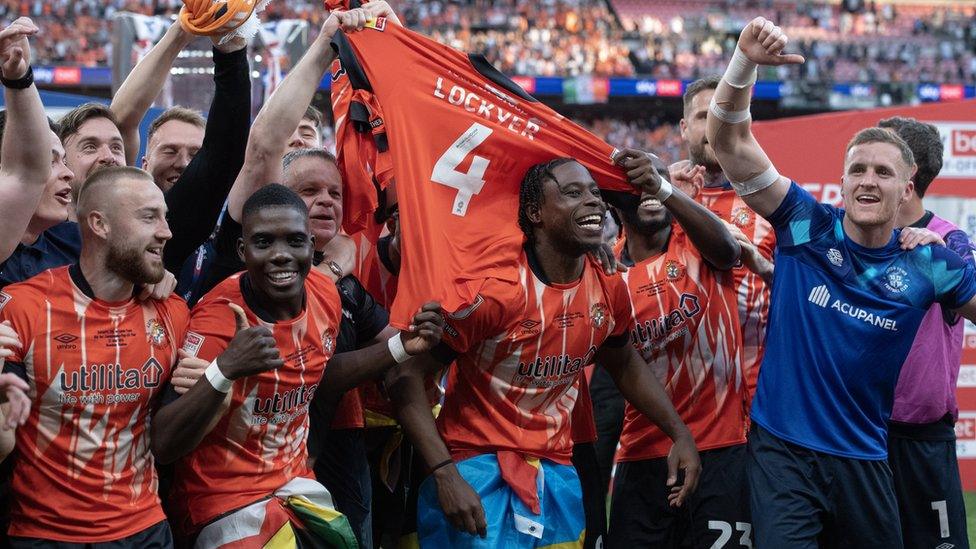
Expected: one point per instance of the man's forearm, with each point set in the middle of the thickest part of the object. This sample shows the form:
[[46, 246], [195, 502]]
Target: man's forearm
[[276, 122], [352, 368], [641, 388], [413, 412], [178, 427], [140, 88], [28, 154]]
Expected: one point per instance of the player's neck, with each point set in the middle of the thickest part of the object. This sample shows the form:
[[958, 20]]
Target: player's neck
[[910, 212], [644, 244], [557, 266], [714, 180], [34, 230], [871, 236], [105, 284]]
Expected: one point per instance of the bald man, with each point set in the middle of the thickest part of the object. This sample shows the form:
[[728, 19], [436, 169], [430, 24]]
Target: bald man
[[95, 358]]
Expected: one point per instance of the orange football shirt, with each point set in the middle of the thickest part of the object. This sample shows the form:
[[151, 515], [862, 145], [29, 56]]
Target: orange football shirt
[[686, 327], [85, 472], [259, 443]]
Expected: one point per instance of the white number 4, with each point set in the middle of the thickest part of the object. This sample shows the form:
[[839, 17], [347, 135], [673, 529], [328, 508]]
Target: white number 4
[[467, 184]]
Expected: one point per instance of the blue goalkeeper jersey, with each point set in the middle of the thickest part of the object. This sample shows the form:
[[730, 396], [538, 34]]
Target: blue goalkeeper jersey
[[842, 319]]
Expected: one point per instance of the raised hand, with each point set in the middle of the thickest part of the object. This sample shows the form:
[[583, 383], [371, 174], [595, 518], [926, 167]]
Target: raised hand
[[425, 331], [252, 350], [763, 43], [160, 290], [15, 49], [644, 170], [687, 177]]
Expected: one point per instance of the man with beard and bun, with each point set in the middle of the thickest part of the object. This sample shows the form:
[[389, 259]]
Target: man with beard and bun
[[818, 444], [687, 331], [263, 425], [921, 433], [499, 453], [95, 359], [758, 241]]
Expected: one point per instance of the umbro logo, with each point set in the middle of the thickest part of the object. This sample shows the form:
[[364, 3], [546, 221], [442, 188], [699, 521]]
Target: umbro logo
[[66, 338], [944, 546], [820, 296], [529, 324]]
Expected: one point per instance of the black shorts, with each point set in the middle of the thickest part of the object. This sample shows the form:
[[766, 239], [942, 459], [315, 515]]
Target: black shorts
[[594, 494], [717, 514], [927, 484], [801, 498], [157, 536], [342, 468]]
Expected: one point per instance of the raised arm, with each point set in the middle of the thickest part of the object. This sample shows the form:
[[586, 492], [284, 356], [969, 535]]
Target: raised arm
[[25, 157], [178, 427], [641, 388], [705, 229], [351, 369], [728, 127], [280, 116], [137, 93]]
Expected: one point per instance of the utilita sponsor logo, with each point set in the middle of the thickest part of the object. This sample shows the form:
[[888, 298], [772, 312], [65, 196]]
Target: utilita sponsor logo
[[821, 296], [555, 366]]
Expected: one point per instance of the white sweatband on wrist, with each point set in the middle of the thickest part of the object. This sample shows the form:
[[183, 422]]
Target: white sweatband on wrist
[[757, 183], [729, 117], [665, 191], [741, 72], [217, 380], [395, 344]]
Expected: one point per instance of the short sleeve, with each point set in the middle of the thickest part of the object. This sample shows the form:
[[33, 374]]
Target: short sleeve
[[958, 241], [212, 326], [953, 278], [800, 218], [622, 312], [482, 319], [19, 305]]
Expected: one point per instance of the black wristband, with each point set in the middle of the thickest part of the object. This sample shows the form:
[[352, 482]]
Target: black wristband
[[20, 83], [440, 465]]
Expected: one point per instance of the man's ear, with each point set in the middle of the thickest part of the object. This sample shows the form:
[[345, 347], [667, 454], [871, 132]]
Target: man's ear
[[98, 224], [240, 249]]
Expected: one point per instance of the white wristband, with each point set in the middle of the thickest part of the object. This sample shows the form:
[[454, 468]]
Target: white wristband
[[757, 183], [665, 191], [741, 72], [217, 380], [729, 117], [395, 345]]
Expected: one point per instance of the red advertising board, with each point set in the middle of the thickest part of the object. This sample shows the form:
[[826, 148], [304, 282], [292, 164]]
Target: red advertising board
[[810, 150]]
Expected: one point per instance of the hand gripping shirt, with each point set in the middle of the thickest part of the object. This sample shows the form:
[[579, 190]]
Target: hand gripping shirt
[[258, 445], [461, 137], [686, 327], [85, 472], [842, 321], [753, 293]]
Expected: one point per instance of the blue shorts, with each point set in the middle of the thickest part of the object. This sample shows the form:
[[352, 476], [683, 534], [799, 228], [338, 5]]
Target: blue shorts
[[510, 523]]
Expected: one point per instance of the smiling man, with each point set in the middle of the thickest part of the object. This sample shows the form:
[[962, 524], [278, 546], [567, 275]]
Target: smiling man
[[499, 454], [846, 304], [96, 359]]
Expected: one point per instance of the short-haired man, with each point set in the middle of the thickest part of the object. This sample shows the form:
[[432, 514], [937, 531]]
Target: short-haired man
[[921, 434], [264, 421], [499, 454], [92, 141], [173, 140], [817, 449], [687, 332], [95, 359]]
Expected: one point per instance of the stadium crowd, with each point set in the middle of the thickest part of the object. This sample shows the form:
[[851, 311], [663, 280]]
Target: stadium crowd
[[464, 328]]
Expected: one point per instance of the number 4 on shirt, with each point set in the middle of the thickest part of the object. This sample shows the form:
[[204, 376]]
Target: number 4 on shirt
[[467, 183]]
